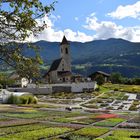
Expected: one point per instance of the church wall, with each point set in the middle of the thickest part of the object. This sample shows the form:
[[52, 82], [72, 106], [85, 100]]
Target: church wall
[[53, 76], [63, 66]]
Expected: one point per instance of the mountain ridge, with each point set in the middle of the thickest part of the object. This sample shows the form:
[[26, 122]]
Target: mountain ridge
[[104, 54]]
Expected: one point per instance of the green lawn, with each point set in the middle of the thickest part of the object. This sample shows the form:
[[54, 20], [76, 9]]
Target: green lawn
[[122, 87]]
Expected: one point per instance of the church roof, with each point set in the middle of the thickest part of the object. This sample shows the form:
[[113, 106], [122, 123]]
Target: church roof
[[64, 41], [55, 64]]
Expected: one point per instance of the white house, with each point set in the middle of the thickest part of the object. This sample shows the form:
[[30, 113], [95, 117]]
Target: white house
[[22, 81]]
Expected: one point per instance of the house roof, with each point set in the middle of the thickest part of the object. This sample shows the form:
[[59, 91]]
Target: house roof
[[64, 41], [100, 72], [103, 73]]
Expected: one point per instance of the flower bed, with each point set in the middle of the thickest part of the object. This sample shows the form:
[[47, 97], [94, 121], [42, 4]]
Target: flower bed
[[16, 122], [37, 134], [41, 114], [73, 137], [106, 116], [110, 122], [17, 129], [62, 120], [123, 135], [84, 121], [91, 132]]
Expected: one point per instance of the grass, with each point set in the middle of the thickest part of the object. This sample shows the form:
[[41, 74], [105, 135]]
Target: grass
[[122, 87], [103, 89]]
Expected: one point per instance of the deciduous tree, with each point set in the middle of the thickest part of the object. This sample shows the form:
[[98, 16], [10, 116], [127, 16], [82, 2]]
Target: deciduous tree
[[17, 22]]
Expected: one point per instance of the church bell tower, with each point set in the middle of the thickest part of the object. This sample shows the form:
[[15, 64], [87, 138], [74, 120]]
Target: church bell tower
[[65, 53]]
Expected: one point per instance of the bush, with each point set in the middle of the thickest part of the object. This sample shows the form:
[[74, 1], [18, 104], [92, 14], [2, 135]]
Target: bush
[[100, 79], [12, 99], [24, 99], [97, 89]]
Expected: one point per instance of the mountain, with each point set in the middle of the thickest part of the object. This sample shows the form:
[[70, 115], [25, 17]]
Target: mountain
[[109, 55]]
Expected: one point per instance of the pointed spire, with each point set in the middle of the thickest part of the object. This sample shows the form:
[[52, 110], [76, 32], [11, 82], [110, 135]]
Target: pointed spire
[[64, 41]]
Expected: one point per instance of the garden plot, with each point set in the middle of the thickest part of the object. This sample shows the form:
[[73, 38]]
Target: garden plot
[[114, 101], [41, 133], [15, 122], [87, 119], [110, 122], [87, 133], [64, 101], [132, 123], [17, 129], [123, 135]]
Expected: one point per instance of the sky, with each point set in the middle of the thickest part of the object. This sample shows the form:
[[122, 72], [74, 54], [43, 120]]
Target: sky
[[87, 20]]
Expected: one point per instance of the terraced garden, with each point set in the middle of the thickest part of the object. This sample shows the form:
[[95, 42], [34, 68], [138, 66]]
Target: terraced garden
[[20, 123], [91, 118]]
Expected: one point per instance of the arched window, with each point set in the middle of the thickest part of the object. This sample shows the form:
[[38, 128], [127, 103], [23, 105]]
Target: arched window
[[66, 50]]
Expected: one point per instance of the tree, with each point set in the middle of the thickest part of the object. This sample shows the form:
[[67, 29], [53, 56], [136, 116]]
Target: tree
[[16, 25], [116, 77], [136, 81], [99, 79], [4, 81]]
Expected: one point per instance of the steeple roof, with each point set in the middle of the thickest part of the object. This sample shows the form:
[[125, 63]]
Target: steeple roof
[[64, 41]]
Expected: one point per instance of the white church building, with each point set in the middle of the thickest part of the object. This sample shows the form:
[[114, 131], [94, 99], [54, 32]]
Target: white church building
[[60, 70]]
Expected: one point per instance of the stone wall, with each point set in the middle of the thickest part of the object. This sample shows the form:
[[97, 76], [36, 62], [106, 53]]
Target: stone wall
[[53, 88], [33, 90]]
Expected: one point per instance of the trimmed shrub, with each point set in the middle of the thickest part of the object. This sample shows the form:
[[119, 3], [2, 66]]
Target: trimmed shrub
[[24, 99], [12, 99]]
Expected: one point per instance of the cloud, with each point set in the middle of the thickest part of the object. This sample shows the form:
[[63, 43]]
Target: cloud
[[100, 29], [132, 11], [109, 29], [51, 34], [77, 36], [76, 19]]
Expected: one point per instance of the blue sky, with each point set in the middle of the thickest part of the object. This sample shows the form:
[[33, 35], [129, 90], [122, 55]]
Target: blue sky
[[86, 20]]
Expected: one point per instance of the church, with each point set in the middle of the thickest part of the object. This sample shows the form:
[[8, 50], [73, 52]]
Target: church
[[60, 70]]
